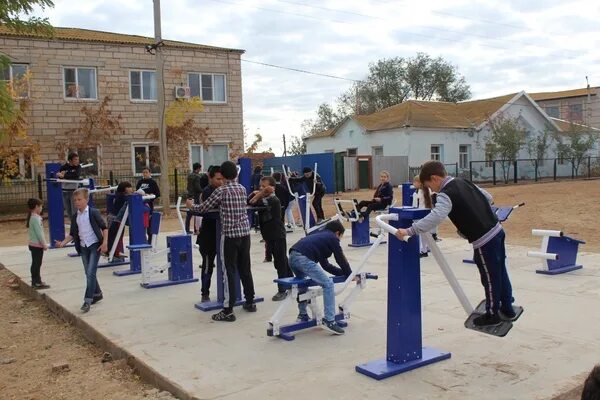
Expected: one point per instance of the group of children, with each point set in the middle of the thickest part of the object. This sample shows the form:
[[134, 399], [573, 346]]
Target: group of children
[[465, 204]]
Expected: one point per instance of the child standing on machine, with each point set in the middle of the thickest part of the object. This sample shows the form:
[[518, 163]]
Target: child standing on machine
[[148, 186], [305, 257], [207, 238], [37, 242], [115, 219], [88, 231], [231, 200], [273, 229], [469, 209]]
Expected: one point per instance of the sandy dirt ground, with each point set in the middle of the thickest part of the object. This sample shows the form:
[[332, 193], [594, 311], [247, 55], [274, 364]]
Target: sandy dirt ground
[[32, 340]]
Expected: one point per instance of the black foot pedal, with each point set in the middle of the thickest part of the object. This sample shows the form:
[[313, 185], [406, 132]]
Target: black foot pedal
[[517, 309]]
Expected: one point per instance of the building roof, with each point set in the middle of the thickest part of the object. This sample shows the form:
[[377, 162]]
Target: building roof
[[87, 35], [429, 114], [565, 126], [563, 94]]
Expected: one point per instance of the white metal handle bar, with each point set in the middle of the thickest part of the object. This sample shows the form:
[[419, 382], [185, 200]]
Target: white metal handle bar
[[148, 197], [178, 208], [103, 189], [79, 181], [87, 165], [544, 232], [380, 220]]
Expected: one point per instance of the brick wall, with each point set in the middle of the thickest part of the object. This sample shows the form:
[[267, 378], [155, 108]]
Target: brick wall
[[51, 114]]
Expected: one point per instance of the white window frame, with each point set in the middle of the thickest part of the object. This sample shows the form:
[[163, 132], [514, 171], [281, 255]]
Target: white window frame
[[11, 78], [190, 163], [374, 149], [147, 145], [212, 74], [77, 98], [440, 152], [141, 99], [467, 155]]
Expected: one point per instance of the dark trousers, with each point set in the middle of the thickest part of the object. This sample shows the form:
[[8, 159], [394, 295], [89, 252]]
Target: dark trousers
[[113, 229], [90, 257], [318, 199], [491, 262], [371, 206], [278, 248], [37, 253], [207, 268], [268, 252], [235, 253], [188, 219]]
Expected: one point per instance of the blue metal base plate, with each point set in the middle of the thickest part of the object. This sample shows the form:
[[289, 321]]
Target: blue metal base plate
[[360, 244], [557, 271], [286, 331], [468, 261], [217, 305], [114, 263], [158, 284], [127, 272], [381, 369]]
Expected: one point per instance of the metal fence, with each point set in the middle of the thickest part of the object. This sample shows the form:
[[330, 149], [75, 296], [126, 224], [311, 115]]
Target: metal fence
[[451, 169], [14, 193]]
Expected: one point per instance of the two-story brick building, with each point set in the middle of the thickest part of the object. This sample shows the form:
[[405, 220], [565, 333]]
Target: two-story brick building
[[581, 106], [80, 67]]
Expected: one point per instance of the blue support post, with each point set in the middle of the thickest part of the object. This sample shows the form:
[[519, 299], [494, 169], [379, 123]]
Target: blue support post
[[407, 194], [361, 235], [566, 248], [220, 269], [56, 219], [245, 177], [303, 204], [137, 234], [405, 349], [181, 269]]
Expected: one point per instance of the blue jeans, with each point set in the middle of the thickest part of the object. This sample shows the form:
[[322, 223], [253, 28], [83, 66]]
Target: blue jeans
[[90, 257], [305, 267]]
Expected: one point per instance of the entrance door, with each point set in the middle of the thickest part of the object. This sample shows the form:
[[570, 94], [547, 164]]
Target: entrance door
[[363, 174], [339, 171]]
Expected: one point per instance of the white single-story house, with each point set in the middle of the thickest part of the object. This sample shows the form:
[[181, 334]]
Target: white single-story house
[[425, 130]]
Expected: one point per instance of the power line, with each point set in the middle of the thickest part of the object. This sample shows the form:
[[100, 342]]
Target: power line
[[300, 70]]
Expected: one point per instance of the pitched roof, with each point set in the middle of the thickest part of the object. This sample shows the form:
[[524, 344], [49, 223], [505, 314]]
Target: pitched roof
[[565, 126], [563, 94], [87, 35], [428, 114]]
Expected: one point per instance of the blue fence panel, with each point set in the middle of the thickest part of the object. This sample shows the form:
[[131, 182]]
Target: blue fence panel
[[325, 161]]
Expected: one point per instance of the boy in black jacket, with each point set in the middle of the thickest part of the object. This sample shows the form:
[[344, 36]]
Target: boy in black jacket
[[273, 229], [149, 186], [88, 231], [71, 171]]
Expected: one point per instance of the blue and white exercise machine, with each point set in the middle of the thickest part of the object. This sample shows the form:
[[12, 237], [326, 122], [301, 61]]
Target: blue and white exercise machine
[[405, 350], [558, 252]]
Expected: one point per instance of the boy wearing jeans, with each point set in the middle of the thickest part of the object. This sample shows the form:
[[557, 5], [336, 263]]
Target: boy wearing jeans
[[88, 231], [230, 199], [305, 257], [468, 207]]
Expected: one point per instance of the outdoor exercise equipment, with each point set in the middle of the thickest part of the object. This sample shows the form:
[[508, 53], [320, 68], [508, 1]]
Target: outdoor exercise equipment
[[405, 350], [361, 234], [56, 219], [134, 213], [558, 252], [219, 267], [312, 292], [303, 202], [502, 213]]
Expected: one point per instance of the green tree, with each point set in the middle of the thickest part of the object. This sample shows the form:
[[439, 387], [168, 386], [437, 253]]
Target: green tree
[[326, 118], [575, 144], [505, 140], [11, 12], [297, 146], [538, 145]]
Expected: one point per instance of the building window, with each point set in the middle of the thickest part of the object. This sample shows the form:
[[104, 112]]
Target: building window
[[80, 83], [437, 152], [146, 156], [552, 111], [14, 73], [576, 112], [210, 88], [328, 151], [142, 85], [352, 152], [17, 166], [377, 150], [214, 154], [464, 155]]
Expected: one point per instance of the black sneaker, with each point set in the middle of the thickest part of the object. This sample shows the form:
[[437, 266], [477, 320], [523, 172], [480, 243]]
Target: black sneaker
[[205, 298], [421, 255], [279, 296], [487, 319], [40, 286], [268, 260], [507, 314], [223, 316], [250, 307], [302, 318], [332, 327], [97, 298], [85, 307]]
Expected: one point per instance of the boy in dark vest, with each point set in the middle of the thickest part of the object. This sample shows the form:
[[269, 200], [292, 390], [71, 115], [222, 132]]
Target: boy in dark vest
[[469, 209], [88, 231]]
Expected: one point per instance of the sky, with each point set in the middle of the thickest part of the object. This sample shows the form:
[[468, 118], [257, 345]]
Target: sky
[[500, 47]]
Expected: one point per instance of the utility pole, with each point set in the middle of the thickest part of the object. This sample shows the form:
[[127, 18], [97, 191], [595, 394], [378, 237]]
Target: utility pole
[[284, 147], [588, 108], [162, 128]]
